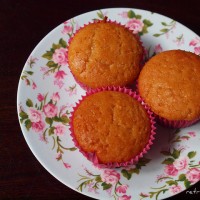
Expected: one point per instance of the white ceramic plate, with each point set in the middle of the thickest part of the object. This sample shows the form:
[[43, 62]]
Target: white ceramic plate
[[47, 92]]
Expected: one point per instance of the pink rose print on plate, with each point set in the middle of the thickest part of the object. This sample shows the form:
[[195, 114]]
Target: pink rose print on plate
[[59, 129], [110, 176], [181, 164], [34, 86], [108, 180], [38, 126], [44, 69], [122, 188], [135, 25], [34, 115], [27, 82], [92, 188], [135, 22], [194, 41], [184, 138], [175, 189], [197, 50], [67, 165], [40, 97], [60, 74], [26, 74], [193, 175], [158, 48], [57, 58], [43, 139], [55, 97], [160, 177], [60, 56], [59, 83], [144, 195], [124, 197], [58, 156], [171, 170], [67, 29], [196, 44], [192, 134], [54, 125], [124, 14], [50, 110]]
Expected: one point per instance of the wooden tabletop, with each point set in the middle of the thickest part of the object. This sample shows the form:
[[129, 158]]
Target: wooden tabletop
[[22, 25]]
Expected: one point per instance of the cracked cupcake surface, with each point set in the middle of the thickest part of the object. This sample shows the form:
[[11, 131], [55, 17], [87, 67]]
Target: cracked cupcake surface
[[112, 125], [103, 54]]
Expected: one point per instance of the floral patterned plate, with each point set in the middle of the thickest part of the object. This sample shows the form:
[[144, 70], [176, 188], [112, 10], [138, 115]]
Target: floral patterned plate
[[47, 92]]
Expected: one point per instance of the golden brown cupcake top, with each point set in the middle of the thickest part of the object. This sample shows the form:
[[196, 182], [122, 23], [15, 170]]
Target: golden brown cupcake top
[[111, 124], [170, 84], [105, 54]]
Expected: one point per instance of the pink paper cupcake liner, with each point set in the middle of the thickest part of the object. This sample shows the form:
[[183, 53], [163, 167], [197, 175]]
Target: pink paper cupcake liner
[[176, 123], [92, 156], [84, 86]]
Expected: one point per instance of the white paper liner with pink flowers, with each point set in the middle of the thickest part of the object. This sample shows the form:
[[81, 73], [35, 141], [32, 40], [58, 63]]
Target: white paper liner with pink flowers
[[92, 156], [142, 59]]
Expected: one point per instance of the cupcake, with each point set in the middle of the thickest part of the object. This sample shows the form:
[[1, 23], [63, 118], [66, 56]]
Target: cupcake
[[169, 83], [103, 54], [111, 127]]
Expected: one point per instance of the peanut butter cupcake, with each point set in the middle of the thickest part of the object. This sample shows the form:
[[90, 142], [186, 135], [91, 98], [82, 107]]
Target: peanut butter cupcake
[[170, 84], [103, 54], [112, 128]]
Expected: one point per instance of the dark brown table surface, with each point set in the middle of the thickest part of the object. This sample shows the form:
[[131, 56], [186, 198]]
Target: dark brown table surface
[[23, 23]]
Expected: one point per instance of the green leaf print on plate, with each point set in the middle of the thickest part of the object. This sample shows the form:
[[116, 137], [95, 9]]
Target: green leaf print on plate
[[127, 173], [167, 27], [136, 23]]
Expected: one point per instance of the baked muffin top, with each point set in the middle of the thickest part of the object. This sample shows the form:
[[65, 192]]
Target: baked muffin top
[[105, 54], [170, 84], [111, 124]]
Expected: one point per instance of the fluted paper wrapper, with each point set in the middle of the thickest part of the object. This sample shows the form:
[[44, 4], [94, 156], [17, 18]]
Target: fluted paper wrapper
[[175, 123], [92, 156]]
